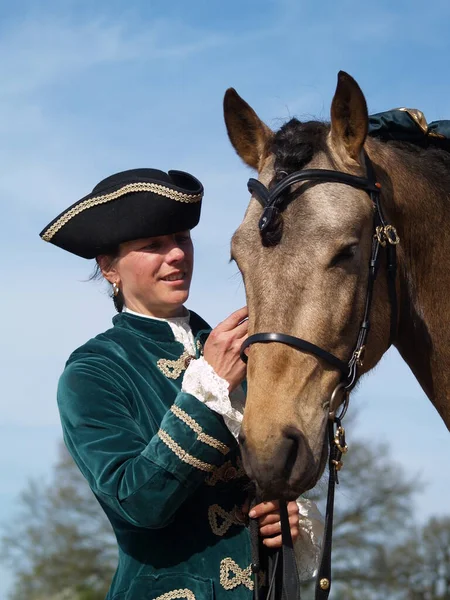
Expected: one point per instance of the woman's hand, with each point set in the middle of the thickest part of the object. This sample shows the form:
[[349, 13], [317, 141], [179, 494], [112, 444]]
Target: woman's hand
[[223, 346], [268, 515]]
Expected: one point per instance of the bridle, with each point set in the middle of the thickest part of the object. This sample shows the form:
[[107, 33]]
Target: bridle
[[384, 237]]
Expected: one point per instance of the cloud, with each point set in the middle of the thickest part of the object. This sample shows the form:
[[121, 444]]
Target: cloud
[[46, 50]]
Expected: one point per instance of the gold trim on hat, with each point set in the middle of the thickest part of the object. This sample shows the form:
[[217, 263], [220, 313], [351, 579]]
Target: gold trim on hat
[[156, 188]]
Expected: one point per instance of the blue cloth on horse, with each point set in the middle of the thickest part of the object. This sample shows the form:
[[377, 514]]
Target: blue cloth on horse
[[410, 125]]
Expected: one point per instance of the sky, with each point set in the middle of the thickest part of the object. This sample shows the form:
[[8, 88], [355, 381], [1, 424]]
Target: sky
[[91, 88]]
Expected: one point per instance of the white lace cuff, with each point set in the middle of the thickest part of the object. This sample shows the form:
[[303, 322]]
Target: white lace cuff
[[202, 381], [308, 545]]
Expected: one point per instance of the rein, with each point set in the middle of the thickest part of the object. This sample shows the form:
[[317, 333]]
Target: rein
[[283, 566]]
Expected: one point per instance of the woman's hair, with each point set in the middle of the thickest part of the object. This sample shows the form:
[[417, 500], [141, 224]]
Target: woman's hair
[[97, 275]]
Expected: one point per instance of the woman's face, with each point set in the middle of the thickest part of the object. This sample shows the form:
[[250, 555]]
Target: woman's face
[[154, 274]]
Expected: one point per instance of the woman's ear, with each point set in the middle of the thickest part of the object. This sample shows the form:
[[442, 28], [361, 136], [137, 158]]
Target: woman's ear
[[108, 269]]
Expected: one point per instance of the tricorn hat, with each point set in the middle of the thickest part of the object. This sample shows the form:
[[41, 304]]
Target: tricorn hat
[[133, 204]]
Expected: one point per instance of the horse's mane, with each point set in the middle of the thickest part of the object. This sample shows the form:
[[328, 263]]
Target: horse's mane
[[428, 159], [295, 144]]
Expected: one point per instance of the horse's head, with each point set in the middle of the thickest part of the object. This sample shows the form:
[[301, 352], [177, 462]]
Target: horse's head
[[306, 276]]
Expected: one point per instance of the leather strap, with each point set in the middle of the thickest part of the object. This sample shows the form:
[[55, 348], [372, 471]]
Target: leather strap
[[291, 579], [391, 267], [290, 340], [365, 324], [256, 560], [323, 579], [283, 581], [323, 175]]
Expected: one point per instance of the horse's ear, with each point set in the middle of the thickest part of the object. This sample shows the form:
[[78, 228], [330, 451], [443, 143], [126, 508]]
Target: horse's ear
[[349, 117], [248, 134]]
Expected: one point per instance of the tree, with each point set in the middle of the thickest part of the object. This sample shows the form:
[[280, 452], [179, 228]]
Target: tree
[[60, 545], [373, 511], [419, 567]]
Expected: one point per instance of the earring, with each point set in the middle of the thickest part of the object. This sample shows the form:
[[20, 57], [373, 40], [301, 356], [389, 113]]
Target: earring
[[116, 289]]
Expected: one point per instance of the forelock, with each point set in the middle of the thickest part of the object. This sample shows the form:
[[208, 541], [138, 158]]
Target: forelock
[[293, 147], [295, 144]]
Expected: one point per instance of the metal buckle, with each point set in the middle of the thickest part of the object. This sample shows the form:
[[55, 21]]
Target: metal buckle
[[379, 235], [340, 448], [339, 440], [391, 235], [360, 355], [338, 464], [386, 234]]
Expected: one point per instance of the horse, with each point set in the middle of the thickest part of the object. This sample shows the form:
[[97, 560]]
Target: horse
[[306, 276]]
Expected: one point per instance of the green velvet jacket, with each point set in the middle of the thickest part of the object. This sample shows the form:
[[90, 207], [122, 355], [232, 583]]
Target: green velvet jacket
[[163, 466]]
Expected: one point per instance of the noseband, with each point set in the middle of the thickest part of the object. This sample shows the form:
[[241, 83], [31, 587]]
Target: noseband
[[384, 236]]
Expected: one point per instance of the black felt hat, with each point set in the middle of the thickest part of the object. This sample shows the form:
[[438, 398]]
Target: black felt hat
[[127, 206]]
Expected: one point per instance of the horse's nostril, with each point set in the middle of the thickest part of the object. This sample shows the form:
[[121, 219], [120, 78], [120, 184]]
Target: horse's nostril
[[291, 433], [290, 460], [279, 466], [294, 438]]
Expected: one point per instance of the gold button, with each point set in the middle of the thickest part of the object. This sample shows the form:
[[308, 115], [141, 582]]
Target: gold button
[[324, 583]]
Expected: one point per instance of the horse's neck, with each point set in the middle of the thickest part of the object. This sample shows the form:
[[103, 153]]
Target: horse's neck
[[421, 213]]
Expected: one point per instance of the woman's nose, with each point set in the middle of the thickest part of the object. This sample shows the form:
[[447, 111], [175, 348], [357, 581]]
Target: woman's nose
[[175, 254]]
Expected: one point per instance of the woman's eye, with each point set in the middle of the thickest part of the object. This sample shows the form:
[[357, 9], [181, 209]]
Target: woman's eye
[[183, 239], [152, 247]]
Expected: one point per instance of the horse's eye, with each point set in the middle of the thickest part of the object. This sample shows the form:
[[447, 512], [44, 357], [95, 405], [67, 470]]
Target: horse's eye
[[345, 254]]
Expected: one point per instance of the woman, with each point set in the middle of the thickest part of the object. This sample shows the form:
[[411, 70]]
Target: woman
[[145, 406]]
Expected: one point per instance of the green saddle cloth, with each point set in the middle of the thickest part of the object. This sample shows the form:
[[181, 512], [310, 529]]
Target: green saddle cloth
[[410, 125]]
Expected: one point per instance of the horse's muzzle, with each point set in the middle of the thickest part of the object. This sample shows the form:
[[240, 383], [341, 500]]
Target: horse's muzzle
[[290, 470]]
